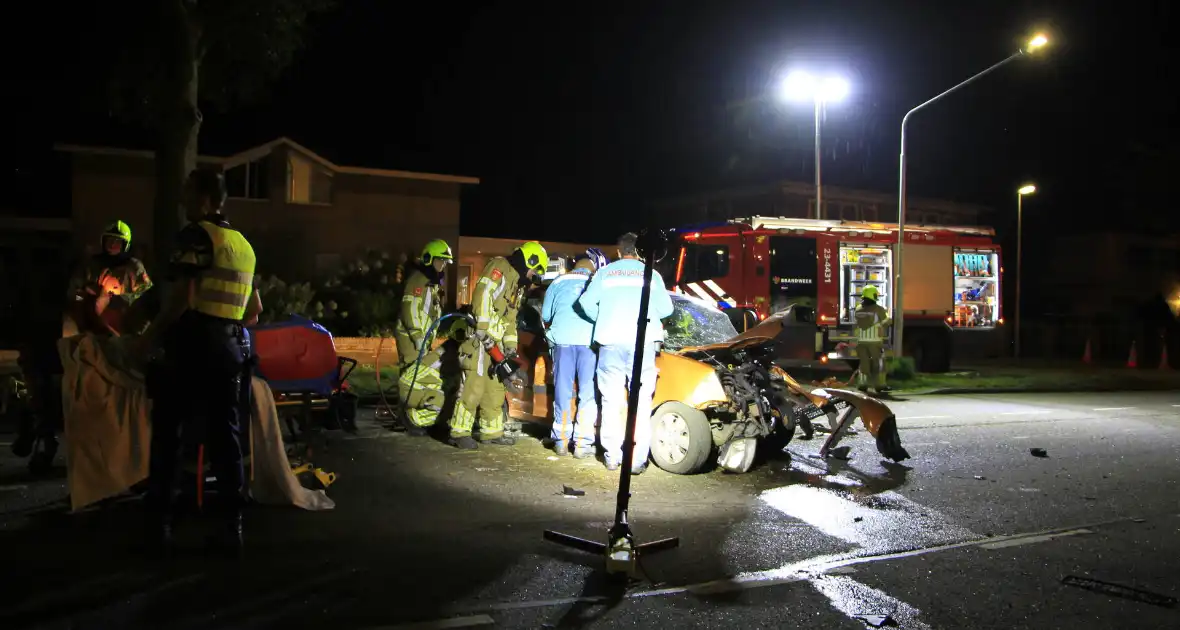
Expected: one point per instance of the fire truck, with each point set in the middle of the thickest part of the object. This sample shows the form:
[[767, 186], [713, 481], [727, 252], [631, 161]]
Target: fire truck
[[810, 273]]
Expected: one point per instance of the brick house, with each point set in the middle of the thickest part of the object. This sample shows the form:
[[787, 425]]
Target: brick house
[[303, 214]]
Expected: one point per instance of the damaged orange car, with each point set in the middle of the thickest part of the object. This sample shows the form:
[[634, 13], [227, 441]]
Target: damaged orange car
[[718, 395]]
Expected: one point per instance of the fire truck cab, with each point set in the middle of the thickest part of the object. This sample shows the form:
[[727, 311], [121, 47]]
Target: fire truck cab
[[810, 273]]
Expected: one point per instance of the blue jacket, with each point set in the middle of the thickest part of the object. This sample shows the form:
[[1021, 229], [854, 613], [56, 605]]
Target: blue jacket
[[567, 326], [612, 301]]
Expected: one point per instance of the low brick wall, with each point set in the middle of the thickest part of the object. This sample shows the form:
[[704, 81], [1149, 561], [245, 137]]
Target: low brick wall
[[364, 350]]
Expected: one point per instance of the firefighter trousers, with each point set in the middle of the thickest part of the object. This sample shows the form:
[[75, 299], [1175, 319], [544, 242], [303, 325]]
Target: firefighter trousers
[[425, 400], [481, 391], [871, 355]]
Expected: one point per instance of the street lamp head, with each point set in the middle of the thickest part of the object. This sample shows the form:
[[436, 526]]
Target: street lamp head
[[1037, 42], [833, 89], [803, 86], [1027, 189], [799, 86]]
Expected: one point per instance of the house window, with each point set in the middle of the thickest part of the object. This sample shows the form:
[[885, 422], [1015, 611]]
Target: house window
[[307, 182], [249, 181]]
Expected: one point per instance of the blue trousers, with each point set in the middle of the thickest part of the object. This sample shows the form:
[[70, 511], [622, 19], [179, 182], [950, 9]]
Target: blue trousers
[[576, 419], [614, 380]]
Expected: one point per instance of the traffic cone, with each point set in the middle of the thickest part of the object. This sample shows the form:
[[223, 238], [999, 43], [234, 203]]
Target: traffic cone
[[1164, 360], [1132, 361], [1087, 357]]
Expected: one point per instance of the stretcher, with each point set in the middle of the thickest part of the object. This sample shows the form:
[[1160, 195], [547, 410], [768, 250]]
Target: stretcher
[[108, 430], [297, 359]]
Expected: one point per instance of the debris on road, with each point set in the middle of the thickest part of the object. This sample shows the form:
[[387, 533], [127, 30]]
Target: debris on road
[[877, 621], [980, 478], [572, 492], [1038, 452], [1118, 590]]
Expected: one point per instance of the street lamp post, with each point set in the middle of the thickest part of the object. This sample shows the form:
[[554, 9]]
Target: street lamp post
[[801, 85], [1027, 189], [1033, 45]]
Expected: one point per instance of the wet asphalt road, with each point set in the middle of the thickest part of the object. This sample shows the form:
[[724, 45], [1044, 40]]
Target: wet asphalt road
[[973, 532]]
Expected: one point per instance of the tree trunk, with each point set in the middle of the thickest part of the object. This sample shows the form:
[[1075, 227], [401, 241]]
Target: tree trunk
[[180, 123]]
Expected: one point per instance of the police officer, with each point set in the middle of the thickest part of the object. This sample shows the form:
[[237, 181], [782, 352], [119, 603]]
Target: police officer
[[112, 278], [494, 304], [569, 333], [421, 306], [200, 382], [870, 319], [612, 300]]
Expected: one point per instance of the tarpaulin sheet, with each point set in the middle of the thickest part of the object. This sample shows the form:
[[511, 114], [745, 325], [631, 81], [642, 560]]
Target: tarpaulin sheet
[[108, 429]]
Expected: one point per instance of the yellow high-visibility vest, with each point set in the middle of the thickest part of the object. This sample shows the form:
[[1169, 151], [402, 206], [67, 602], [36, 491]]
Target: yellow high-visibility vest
[[225, 288]]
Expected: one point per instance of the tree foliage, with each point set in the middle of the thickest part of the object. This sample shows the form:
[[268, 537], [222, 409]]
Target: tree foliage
[[171, 55]]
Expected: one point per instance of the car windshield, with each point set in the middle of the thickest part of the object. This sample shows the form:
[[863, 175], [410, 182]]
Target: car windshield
[[695, 323]]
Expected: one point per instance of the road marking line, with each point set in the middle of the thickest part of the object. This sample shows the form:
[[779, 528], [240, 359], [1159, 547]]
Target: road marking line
[[774, 577], [1025, 413], [1020, 437], [854, 598], [454, 622], [1004, 544], [922, 417], [15, 486], [1111, 408]]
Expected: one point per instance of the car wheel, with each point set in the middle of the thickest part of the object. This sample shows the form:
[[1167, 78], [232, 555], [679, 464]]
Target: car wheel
[[681, 439]]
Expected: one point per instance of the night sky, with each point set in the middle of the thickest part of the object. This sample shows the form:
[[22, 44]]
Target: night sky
[[586, 110]]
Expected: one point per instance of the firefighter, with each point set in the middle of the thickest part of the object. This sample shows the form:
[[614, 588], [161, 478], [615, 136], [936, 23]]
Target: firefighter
[[494, 304], [569, 333], [421, 307], [612, 300], [200, 383], [112, 278], [871, 318]]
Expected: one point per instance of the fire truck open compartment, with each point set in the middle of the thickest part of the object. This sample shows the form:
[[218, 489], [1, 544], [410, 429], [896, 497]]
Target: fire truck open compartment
[[864, 265], [977, 288]]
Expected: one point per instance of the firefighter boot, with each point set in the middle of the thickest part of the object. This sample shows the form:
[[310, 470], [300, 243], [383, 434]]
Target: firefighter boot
[[465, 442]]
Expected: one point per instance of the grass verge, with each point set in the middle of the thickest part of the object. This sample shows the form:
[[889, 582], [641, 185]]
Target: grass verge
[[363, 380], [1031, 379]]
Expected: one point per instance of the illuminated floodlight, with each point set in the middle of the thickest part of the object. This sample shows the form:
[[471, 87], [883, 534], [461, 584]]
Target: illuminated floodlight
[[803, 86]]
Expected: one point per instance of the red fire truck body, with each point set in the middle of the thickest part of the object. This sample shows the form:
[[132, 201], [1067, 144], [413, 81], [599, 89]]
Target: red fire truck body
[[817, 270]]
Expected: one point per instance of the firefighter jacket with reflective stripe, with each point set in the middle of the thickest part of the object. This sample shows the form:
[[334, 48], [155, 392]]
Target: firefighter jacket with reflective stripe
[[568, 326], [496, 300], [612, 301], [122, 276], [421, 306], [870, 319], [224, 289]]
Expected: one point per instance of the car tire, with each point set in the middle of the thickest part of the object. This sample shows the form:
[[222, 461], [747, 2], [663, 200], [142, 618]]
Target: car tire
[[681, 440]]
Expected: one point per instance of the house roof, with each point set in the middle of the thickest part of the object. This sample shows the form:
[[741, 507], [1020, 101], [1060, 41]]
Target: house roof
[[265, 149]]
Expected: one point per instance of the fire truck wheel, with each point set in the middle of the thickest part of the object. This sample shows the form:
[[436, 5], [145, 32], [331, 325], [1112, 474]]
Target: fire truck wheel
[[681, 439]]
